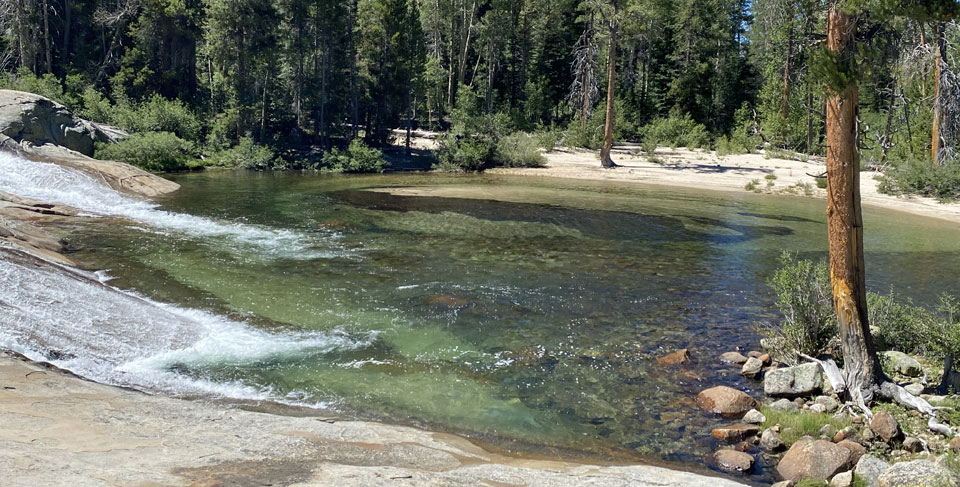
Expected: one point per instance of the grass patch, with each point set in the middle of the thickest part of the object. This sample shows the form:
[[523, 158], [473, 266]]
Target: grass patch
[[770, 177], [794, 426], [753, 185], [811, 483], [822, 183]]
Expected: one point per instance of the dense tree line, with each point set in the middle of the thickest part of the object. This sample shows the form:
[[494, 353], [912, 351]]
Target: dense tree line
[[318, 73]]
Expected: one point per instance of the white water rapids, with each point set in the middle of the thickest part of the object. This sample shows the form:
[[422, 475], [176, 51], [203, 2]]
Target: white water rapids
[[76, 321]]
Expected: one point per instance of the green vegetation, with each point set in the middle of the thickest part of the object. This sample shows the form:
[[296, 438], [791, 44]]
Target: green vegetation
[[302, 77], [809, 326], [246, 154], [358, 158], [794, 426], [753, 185], [152, 151], [519, 150], [923, 178]]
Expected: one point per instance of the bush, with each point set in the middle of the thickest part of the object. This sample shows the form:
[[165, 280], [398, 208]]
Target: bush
[[547, 139], [247, 155], [519, 150], [675, 132], [47, 85], [464, 153], [357, 158], [152, 151], [922, 178], [805, 298], [157, 115]]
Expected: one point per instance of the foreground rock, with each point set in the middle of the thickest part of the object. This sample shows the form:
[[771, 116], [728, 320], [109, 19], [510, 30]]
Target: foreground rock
[[816, 459], [802, 380], [918, 473], [60, 430], [726, 401], [885, 426]]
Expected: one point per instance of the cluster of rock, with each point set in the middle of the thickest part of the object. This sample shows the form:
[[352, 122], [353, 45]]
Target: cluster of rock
[[835, 455]]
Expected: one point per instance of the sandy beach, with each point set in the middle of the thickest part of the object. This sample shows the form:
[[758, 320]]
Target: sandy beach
[[705, 170]]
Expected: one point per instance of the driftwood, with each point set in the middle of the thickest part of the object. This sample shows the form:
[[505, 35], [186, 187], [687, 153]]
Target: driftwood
[[888, 390]]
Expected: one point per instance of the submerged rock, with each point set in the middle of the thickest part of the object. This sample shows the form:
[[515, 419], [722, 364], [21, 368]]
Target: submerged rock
[[733, 358], [733, 461], [734, 433], [679, 357], [802, 380], [816, 459], [726, 401]]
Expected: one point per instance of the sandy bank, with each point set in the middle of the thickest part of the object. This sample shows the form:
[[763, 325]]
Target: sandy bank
[[704, 170], [60, 429]]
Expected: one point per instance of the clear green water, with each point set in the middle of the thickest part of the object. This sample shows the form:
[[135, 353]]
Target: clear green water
[[507, 309]]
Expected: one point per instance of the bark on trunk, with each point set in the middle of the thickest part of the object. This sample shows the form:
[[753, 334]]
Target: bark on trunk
[[785, 102], [941, 60], [605, 159], [862, 371], [46, 36], [65, 48]]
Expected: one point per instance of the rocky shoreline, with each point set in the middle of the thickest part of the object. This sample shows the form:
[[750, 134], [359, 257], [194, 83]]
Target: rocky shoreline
[[839, 445]]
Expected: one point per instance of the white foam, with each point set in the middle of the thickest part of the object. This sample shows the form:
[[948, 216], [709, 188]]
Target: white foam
[[52, 183], [69, 318]]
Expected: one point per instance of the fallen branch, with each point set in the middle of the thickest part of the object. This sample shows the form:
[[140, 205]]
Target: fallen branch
[[898, 394], [832, 372]]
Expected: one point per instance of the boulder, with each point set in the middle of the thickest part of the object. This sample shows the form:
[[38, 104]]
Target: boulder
[[856, 450], [784, 405], [885, 426], [817, 408], [679, 357], [733, 461], [902, 363], [733, 358], [829, 403], [39, 120], [784, 483], [725, 401], [752, 367], [754, 353], [954, 444], [802, 380], [736, 432], [847, 433], [842, 479], [770, 440], [918, 473], [816, 459], [765, 359], [869, 468], [913, 445], [754, 417]]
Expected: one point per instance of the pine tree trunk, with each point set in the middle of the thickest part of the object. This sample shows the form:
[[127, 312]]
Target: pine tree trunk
[[46, 36], [65, 48], [785, 102], [941, 59], [605, 159], [845, 223]]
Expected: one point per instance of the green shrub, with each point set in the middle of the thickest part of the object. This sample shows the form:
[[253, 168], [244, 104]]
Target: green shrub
[[247, 155], [822, 183], [357, 158], [519, 150], [46, 85], [923, 178], [96, 107], [675, 132], [805, 298], [753, 185], [464, 153], [547, 139], [157, 115], [152, 151]]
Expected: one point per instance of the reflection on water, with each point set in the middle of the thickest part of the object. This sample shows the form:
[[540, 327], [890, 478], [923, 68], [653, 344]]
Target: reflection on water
[[524, 309]]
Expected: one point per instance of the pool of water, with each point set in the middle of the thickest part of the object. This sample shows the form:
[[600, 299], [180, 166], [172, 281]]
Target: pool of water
[[508, 309]]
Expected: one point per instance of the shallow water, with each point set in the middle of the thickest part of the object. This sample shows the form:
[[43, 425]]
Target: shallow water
[[504, 308]]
